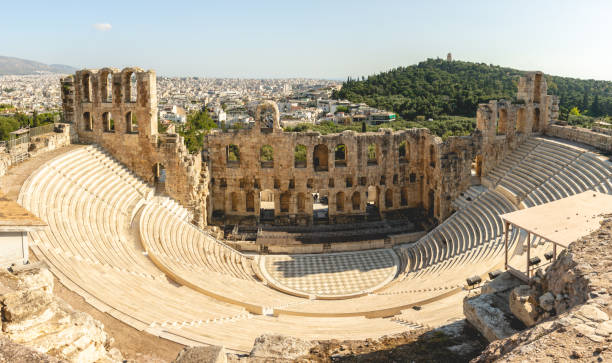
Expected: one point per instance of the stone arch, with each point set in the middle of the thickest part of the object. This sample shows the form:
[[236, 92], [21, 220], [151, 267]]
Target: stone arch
[[340, 155], [108, 122], [299, 156], [250, 201], [372, 154], [266, 205], [301, 202], [389, 198], [106, 85], [266, 156], [86, 87], [285, 202], [340, 201], [404, 196], [232, 154], [131, 123], [356, 200], [502, 122], [320, 157], [267, 116], [87, 121], [129, 84]]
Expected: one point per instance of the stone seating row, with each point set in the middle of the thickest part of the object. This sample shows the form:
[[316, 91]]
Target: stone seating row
[[175, 238]]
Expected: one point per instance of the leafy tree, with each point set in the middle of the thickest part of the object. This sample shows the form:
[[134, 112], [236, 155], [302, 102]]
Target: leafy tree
[[574, 111], [197, 126]]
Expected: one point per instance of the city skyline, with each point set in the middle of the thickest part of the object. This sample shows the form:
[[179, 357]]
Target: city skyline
[[311, 40]]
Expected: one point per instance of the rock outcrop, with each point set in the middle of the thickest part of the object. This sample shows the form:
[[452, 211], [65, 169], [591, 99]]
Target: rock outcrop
[[573, 305], [34, 317], [280, 347], [207, 354]]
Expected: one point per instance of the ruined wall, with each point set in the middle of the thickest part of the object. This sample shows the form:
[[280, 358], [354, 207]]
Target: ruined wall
[[506, 124], [398, 170], [598, 140], [118, 111]]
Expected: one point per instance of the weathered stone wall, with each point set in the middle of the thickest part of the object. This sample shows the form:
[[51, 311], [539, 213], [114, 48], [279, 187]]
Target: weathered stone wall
[[505, 125], [118, 111], [402, 170], [398, 179], [60, 136], [598, 140]]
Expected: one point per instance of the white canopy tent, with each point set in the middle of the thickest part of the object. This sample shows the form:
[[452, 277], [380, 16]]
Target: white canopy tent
[[560, 222]]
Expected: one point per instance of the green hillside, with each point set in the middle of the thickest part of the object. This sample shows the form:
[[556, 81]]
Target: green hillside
[[436, 87]]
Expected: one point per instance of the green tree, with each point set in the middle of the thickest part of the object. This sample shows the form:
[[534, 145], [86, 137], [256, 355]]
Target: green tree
[[574, 111]]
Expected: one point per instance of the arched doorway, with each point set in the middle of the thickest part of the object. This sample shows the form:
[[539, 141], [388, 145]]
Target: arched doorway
[[159, 177], [356, 201], [266, 206], [372, 205], [536, 121], [340, 202], [389, 198]]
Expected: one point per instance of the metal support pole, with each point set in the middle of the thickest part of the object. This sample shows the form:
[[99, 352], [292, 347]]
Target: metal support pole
[[554, 251], [528, 253], [506, 246]]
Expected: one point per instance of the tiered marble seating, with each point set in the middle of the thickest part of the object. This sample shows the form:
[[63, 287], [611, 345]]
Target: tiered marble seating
[[110, 240]]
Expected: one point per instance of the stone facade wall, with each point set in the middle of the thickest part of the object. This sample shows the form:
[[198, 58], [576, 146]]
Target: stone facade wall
[[598, 140], [505, 125], [398, 171], [371, 165], [118, 111]]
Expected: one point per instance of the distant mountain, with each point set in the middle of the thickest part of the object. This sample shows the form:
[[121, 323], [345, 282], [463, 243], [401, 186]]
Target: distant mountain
[[436, 87], [17, 66]]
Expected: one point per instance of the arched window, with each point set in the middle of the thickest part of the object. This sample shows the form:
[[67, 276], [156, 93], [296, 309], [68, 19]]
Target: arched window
[[299, 156], [356, 201], [319, 157], [233, 155], [88, 121], [372, 154], [389, 198], [234, 201], [266, 156], [301, 202], [109, 123], [86, 87], [340, 155], [250, 202], [106, 86], [130, 88], [131, 123], [285, 200], [340, 201], [403, 152]]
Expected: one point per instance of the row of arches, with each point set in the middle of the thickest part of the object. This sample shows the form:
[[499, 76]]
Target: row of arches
[[345, 202], [108, 123], [502, 126], [109, 90], [320, 155]]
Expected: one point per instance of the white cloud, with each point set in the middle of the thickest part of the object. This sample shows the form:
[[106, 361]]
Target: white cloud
[[102, 26]]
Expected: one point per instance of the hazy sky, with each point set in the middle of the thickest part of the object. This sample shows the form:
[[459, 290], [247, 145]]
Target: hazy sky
[[308, 38]]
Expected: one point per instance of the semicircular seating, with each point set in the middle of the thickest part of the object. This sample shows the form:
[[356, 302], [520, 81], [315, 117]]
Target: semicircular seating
[[111, 241]]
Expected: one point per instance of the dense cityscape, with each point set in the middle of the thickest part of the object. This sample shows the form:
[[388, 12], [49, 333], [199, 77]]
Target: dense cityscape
[[228, 101]]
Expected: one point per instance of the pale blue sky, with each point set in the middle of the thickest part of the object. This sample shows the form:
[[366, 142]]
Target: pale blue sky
[[309, 38]]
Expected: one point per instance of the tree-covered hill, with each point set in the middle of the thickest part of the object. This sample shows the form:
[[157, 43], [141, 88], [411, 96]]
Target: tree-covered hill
[[437, 87]]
